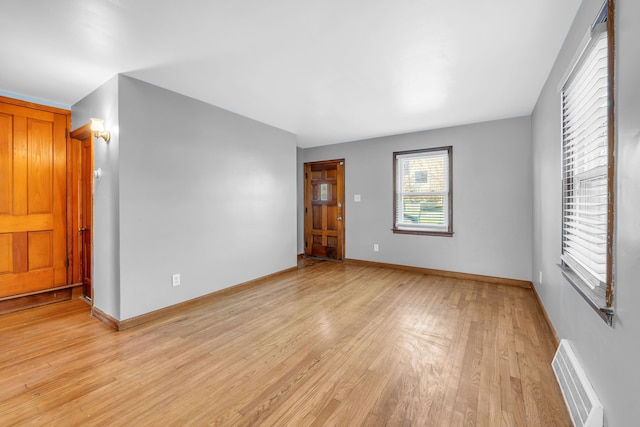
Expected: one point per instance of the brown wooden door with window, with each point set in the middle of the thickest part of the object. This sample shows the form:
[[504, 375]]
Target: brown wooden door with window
[[324, 209], [33, 167]]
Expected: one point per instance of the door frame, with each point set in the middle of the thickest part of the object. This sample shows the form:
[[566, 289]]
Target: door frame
[[77, 193], [340, 185]]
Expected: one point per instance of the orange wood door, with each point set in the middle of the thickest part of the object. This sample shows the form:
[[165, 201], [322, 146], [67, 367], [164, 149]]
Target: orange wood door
[[81, 207], [86, 214], [32, 199], [324, 209]]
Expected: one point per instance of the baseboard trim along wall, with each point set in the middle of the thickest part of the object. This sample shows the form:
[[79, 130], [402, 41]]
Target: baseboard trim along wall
[[466, 276], [105, 318], [121, 325], [546, 316], [453, 274]]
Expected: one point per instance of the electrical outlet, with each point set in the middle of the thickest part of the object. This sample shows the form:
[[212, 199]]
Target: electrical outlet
[[376, 247], [176, 279]]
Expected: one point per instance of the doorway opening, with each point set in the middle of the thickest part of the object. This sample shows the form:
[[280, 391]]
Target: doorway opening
[[81, 208]]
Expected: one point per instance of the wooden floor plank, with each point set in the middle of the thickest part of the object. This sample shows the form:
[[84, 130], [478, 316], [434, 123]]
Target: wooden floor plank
[[329, 344]]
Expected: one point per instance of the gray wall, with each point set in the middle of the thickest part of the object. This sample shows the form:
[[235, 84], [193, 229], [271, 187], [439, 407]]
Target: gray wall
[[204, 192], [609, 355], [198, 191], [103, 103], [492, 203]]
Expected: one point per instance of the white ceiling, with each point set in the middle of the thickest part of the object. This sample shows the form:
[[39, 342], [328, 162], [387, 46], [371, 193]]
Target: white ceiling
[[327, 70]]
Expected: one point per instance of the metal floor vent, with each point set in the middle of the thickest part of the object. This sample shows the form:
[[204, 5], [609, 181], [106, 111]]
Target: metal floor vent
[[583, 404]]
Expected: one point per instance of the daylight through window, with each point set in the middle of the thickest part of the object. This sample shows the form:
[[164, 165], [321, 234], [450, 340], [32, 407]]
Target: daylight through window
[[422, 201], [587, 191]]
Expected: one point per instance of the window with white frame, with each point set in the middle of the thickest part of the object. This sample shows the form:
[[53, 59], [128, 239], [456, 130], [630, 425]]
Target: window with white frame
[[422, 191], [587, 171]]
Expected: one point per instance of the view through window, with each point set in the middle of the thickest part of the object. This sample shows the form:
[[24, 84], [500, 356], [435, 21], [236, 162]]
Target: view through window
[[422, 187]]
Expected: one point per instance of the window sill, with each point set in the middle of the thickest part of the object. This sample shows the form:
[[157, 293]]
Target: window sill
[[423, 233], [595, 299]]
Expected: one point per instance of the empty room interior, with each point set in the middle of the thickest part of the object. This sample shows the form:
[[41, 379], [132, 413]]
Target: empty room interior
[[346, 213]]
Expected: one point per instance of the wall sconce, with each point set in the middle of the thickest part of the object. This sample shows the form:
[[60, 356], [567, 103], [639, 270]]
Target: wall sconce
[[97, 126]]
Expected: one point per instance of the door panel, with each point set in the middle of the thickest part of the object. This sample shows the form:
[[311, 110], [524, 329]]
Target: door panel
[[32, 199], [324, 209], [6, 164], [40, 249], [6, 253], [39, 167]]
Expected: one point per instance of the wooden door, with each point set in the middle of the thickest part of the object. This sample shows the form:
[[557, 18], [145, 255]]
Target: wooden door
[[86, 216], [324, 209], [81, 206], [33, 201]]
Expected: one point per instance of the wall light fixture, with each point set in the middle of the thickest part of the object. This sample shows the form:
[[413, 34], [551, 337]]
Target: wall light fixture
[[97, 126]]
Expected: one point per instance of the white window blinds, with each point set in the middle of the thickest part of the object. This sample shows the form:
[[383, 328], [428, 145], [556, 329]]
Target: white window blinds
[[585, 160]]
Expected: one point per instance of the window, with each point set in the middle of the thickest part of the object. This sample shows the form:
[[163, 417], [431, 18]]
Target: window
[[587, 171], [422, 192]]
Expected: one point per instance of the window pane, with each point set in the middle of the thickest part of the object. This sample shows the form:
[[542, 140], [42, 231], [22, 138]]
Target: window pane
[[585, 161], [428, 210], [423, 175], [422, 190]]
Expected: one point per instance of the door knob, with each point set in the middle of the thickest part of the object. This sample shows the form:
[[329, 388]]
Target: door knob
[[339, 218]]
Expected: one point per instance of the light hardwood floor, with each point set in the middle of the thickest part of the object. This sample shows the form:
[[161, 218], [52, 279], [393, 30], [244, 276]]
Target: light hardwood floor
[[329, 344]]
